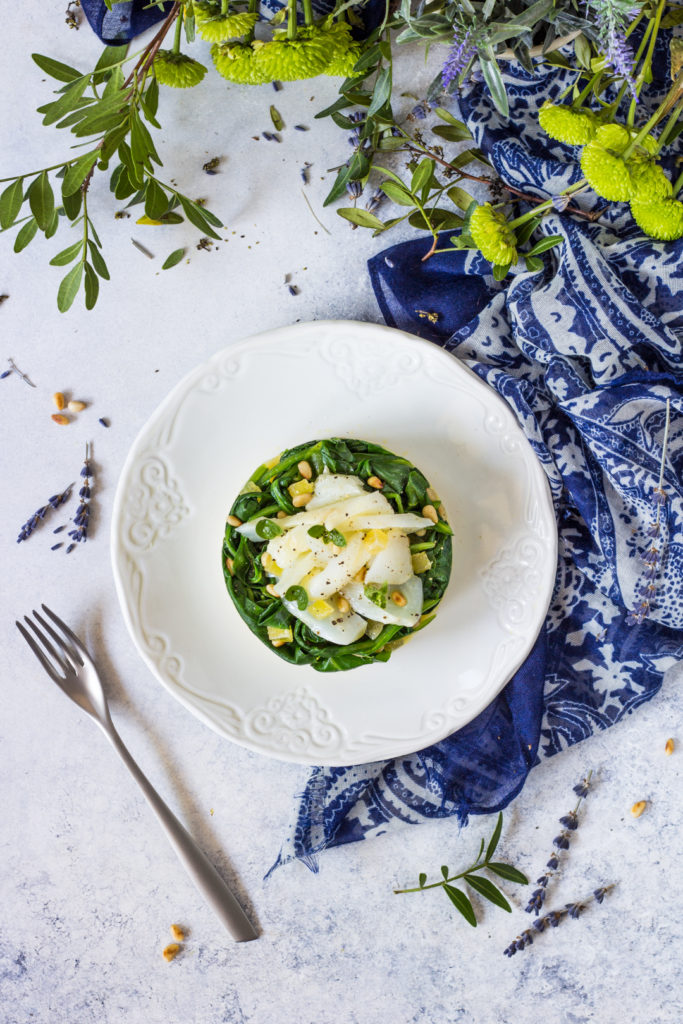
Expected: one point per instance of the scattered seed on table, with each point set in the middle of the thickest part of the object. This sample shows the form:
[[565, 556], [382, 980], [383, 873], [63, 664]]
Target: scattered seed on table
[[59, 400], [277, 86], [75, 406], [70, 549], [300, 128], [669, 747], [60, 419], [59, 529], [55, 546]]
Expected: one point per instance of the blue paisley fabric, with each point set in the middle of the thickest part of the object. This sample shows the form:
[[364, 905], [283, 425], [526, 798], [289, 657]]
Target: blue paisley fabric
[[586, 352]]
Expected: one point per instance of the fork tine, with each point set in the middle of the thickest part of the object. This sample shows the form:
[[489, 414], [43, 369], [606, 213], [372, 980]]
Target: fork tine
[[39, 654], [63, 663], [79, 647], [70, 651]]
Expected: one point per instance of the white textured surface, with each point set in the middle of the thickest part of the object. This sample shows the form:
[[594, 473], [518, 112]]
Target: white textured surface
[[88, 886]]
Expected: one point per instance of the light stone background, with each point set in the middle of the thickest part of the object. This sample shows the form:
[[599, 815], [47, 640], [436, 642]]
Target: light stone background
[[88, 885]]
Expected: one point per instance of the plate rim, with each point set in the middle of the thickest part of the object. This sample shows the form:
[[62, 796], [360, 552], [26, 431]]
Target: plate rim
[[170, 400]]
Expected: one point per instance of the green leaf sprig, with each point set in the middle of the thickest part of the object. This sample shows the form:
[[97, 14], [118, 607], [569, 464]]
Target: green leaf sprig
[[476, 881], [110, 114]]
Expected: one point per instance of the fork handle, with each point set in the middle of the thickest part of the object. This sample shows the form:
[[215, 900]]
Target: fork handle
[[198, 867]]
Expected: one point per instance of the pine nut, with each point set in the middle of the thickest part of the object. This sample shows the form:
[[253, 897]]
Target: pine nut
[[431, 494], [59, 400], [229, 565], [177, 932], [374, 481], [233, 521], [278, 643], [343, 605], [270, 589], [429, 512], [305, 470], [61, 419], [669, 747], [360, 576], [281, 515], [299, 500], [638, 808], [171, 952], [420, 533], [265, 558], [75, 406], [398, 599]]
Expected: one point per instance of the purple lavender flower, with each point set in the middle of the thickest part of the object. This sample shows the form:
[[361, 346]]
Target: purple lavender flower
[[459, 55], [570, 821], [561, 841], [612, 18], [536, 901], [581, 788], [52, 503], [553, 863]]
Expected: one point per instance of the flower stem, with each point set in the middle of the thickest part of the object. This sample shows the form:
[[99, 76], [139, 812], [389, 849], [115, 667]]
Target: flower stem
[[308, 11], [178, 29], [224, 6], [446, 881], [291, 19]]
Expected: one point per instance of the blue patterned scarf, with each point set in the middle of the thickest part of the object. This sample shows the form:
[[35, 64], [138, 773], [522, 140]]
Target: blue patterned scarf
[[587, 353]]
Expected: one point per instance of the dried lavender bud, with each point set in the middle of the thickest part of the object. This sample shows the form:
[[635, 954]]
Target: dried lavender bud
[[55, 546], [357, 116], [570, 821], [599, 894], [53, 503], [536, 901], [103, 422], [554, 918], [300, 128], [277, 86], [553, 863], [539, 924], [354, 189], [561, 841], [4, 374], [59, 529], [70, 549], [560, 203], [575, 909], [543, 880]]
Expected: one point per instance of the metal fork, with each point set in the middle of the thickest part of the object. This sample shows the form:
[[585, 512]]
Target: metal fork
[[68, 664]]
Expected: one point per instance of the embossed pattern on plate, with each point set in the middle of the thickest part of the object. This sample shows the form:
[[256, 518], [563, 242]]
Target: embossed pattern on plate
[[359, 380]]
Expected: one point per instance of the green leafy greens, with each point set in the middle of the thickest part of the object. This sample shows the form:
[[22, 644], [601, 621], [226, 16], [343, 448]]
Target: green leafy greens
[[266, 494]]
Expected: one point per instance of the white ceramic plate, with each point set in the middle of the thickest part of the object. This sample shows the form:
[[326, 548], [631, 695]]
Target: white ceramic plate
[[276, 390]]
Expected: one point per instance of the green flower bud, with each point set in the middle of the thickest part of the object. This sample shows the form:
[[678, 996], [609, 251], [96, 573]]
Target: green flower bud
[[650, 183], [304, 57], [226, 26], [662, 219], [342, 66], [493, 236], [177, 70], [603, 166], [575, 127], [239, 62]]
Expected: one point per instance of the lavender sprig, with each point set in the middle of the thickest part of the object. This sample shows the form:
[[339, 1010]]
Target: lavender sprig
[[612, 19], [20, 373], [555, 917], [82, 518], [569, 822], [459, 55], [52, 503], [653, 557]]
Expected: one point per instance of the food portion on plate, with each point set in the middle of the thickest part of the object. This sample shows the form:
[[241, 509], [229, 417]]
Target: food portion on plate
[[335, 552]]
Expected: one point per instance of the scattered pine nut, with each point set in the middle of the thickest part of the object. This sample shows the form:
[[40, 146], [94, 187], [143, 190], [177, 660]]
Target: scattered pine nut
[[669, 747], [59, 400], [305, 470], [230, 565], [177, 932], [60, 418], [638, 808], [171, 952], [343, 605], [374, 481], [233, 521], [75, 406], [281, 515], [270, 589], [420, 533], [429, 512], [265, 557], [299, 500], [278, 643], [398, 599], [431, 494]]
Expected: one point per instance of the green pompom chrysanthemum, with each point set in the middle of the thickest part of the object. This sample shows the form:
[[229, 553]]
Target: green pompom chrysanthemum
[[650, 183], [662, 219], [603, 166], [239, 62], [177, 70], [226, 26], [493, 235], [575, 127], [342, 65], [315, 48]]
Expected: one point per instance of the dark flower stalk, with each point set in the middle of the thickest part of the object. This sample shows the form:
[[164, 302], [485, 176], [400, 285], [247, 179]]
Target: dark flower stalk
[[555, 917], [82, 517], [569, 822], [52, 503]]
